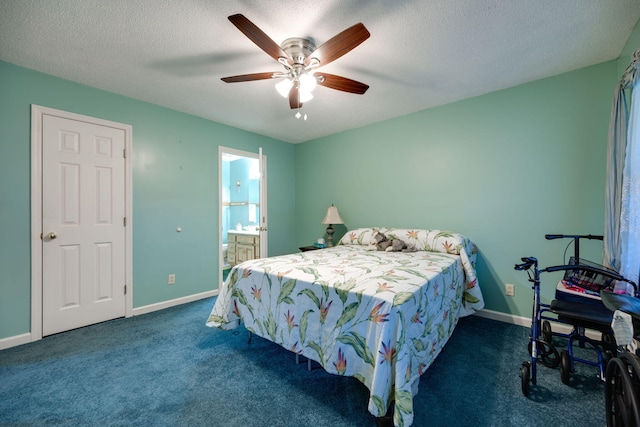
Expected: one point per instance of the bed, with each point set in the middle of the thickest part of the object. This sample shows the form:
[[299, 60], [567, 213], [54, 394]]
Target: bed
[[381, 317]]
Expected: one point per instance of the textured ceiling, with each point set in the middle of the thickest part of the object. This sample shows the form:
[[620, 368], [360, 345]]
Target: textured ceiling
[[421, 53]]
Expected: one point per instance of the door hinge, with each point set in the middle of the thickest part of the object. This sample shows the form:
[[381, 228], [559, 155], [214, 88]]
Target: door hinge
[[124, 153], [125, 289], [124, 221]]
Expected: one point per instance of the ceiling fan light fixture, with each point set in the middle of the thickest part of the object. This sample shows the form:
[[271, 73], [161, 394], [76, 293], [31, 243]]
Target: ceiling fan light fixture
[[300, 57], [307, 82], [283, 87], [305, 96]]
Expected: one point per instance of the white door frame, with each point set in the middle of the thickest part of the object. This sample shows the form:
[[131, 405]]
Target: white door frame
[[37, 113], [262, 159]]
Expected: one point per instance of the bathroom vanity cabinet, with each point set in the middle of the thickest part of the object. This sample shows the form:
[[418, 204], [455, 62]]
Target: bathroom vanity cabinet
[[242, 246]]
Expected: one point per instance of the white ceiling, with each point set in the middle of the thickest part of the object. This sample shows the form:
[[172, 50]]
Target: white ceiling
[[421, 53]]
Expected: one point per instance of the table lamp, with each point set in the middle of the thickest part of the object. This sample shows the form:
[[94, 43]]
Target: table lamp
[[332, 217]]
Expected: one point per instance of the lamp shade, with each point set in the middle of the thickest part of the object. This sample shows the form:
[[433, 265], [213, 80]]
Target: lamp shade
[[283, 87], [332, 216], [307, 82]]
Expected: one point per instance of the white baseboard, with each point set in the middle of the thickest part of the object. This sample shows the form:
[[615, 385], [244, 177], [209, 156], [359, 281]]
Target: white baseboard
[[505, 317], [26, 338], [562, 328], [489, 314], [171, 303], [15, 341]]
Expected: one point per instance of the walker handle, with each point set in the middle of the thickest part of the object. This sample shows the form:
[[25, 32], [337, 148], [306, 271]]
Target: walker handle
[[572, 236], [576, 240], [584, 267], [528, 262], [553, 236]]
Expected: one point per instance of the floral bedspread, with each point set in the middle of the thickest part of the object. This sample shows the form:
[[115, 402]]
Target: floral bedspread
[[381, 317]]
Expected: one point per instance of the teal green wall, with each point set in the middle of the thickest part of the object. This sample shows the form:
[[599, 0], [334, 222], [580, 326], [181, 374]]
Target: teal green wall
[[175, 183], [503, 169]]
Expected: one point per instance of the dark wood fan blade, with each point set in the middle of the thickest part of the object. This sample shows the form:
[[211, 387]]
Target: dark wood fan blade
[[248, 77], [257, 36], [294, 98], [340, 44], [341, 83]]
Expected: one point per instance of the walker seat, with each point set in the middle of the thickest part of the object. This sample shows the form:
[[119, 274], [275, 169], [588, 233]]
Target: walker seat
[[583, 314]]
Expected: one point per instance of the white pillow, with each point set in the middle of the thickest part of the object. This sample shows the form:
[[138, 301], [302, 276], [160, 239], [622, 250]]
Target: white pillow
[[360, 236]]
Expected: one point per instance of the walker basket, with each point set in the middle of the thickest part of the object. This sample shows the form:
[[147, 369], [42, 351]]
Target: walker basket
[[589, 280]]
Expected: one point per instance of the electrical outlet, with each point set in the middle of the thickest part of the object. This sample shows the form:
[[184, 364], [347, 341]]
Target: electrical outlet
[[172, 279], [509, 289]]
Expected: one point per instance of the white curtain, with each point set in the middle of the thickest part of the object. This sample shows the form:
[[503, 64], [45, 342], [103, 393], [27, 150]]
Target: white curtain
[[630, 201], [615, 164], [622, 198]]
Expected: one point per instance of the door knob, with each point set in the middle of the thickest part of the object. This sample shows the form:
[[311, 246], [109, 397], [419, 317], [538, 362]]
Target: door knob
[[52, 235]]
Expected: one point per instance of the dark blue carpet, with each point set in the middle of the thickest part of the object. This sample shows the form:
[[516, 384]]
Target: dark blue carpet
[[168, 369]]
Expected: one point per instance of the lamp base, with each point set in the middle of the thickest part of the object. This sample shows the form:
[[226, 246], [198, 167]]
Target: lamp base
[[330, 231]]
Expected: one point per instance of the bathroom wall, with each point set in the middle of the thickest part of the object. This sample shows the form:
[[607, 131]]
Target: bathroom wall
[[243, 198]]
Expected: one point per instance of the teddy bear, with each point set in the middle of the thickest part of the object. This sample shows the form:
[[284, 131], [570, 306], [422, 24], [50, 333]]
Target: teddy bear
[[409, 247], [379, 242], [398, 245]]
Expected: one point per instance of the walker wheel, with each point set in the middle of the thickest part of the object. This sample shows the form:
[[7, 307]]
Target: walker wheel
[[609, 344], [621, 400], [633, 363], [565, 366], [547, 354], [525, 374], [547, 334]]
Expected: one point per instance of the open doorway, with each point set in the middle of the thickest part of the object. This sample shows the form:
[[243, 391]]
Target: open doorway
[[242, 208]]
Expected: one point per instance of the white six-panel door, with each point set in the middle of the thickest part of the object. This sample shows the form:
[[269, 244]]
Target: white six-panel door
[[83, 229]]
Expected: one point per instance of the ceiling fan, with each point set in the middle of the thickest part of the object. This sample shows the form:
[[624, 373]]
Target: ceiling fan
[[300, 59]]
